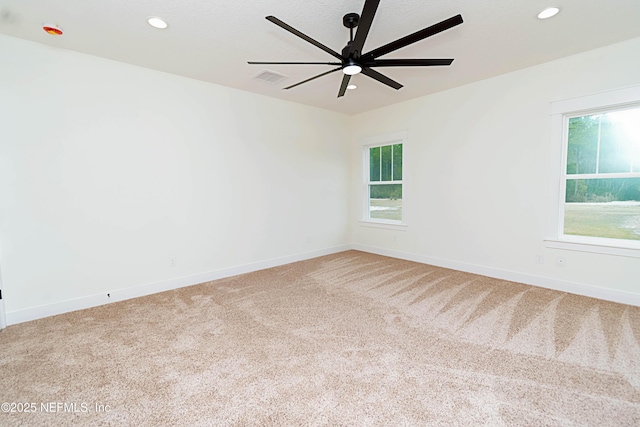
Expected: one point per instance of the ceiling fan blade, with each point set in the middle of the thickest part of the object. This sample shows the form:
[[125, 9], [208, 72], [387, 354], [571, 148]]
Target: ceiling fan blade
[[407, 62], [381, 78], [366, 19], [415, 37], [343, 86], [303, 36], [293, 63], [314, 77]]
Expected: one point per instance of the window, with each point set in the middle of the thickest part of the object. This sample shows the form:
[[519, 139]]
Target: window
[[383, 178], [602, 191], [598, 199]]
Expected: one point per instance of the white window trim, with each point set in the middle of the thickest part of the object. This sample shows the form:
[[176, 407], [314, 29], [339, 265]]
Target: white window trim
[[399, 137], [561, 111]]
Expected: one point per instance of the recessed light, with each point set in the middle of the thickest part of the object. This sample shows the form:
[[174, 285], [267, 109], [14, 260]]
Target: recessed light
[[352, 87], [156, 22], [548, 13]]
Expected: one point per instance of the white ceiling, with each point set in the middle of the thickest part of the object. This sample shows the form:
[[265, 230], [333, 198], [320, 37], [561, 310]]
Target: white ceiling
[[211, 40]]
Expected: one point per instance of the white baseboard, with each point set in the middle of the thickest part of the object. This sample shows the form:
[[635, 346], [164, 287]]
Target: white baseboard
[[19, 316], [512, 276], [3, 317], [26, 315]]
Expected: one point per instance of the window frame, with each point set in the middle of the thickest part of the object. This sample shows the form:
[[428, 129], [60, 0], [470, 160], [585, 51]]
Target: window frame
[[561, 112], [393, 138]]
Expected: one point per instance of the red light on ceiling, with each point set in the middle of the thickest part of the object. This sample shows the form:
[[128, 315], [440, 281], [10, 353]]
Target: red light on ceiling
[[52, 29]]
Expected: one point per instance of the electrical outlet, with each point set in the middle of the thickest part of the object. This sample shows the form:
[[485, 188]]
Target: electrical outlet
[[539, 259], [173, 262], [561, 261]]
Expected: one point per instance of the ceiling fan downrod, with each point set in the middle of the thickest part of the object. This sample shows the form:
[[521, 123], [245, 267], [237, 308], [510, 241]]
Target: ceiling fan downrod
[[351, 20]]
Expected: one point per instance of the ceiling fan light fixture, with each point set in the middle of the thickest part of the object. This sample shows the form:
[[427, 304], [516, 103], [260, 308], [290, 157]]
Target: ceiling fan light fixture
[[548, 13], [156, 22], [352, 69]]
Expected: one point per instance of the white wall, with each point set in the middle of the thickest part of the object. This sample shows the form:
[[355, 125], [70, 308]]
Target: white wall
[[109, 171], [477, 175]]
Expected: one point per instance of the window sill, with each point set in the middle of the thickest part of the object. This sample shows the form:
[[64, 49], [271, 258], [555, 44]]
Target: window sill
[[605, 248], [381, 224]]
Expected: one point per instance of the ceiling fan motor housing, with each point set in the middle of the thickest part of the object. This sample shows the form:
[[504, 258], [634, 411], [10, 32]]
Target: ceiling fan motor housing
[[346, 51]]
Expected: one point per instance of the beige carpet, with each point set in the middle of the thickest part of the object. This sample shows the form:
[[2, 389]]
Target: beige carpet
[[350, 339]]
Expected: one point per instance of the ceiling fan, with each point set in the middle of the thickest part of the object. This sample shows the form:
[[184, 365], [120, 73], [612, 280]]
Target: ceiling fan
[[352, 61]]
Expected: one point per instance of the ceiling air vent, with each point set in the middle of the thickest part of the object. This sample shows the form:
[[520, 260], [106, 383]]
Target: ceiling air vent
[[270, 77]]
